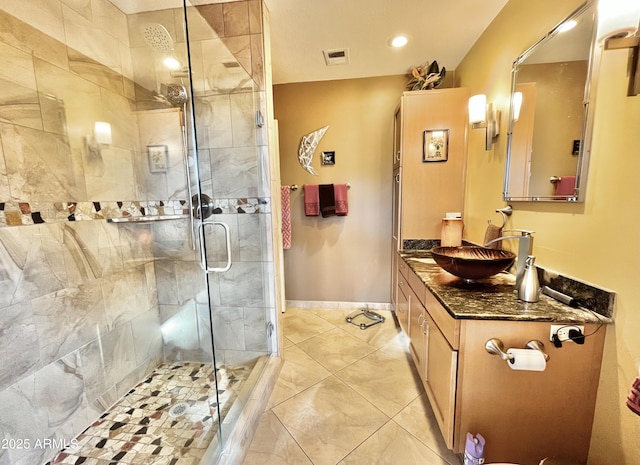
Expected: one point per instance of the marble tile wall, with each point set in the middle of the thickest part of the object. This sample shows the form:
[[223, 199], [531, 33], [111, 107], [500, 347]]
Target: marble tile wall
[[79, 324], [87, 308], [238, 26]]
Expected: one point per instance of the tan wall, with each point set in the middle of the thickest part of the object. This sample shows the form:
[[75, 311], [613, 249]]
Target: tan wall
[[577, 239], [341, 258]]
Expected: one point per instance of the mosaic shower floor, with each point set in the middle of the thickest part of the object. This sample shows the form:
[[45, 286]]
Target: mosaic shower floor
[[170, 418]]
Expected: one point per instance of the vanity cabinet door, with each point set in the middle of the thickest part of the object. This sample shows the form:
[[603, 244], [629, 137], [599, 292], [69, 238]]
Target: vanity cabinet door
[[440, 379], [402, 304], [417, 331]]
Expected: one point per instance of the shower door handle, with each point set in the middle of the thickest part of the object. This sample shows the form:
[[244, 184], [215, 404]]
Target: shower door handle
[[203, 252]]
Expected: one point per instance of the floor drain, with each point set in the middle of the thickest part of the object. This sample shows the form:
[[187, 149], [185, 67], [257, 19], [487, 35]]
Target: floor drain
[[178, 409]]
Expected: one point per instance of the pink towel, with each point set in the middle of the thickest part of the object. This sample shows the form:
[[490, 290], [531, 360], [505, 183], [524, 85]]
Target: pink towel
[[285, 194], [311, 200], [566, 185], [342, 199]]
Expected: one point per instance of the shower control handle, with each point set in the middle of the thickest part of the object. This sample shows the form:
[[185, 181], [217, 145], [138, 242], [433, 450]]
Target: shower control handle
[[203, 252]]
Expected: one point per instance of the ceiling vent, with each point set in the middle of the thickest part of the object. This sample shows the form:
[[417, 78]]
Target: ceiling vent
[[338, 56]]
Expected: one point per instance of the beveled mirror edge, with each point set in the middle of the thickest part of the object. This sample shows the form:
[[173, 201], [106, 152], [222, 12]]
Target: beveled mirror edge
[[595, 53]]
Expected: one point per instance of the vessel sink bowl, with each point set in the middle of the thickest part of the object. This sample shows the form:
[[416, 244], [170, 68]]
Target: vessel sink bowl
[[472, 262]]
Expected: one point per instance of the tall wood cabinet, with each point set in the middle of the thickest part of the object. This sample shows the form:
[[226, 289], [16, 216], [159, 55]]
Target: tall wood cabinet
[[425, 190]]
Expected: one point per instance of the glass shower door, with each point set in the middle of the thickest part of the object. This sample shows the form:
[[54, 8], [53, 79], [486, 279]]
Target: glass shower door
[[229, 165]]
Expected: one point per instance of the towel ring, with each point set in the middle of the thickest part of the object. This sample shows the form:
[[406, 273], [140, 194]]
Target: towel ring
[[505, 212]]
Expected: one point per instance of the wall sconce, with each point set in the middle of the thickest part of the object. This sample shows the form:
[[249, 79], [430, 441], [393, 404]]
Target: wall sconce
[[482, 116], [517, 105], [619, 28], [101, 137], [102, 133]]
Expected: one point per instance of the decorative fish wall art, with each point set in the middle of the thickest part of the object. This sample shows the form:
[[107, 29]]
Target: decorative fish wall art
[[308, 145]]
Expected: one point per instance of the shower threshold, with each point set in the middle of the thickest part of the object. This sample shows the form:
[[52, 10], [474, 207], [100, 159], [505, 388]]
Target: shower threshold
[[170, 418]]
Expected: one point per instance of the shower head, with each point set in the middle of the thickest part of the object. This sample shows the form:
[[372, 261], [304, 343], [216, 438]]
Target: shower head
[[175, 94], [157, 37]]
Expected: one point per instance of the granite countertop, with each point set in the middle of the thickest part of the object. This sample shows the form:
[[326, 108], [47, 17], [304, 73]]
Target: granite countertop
[[492, 298]]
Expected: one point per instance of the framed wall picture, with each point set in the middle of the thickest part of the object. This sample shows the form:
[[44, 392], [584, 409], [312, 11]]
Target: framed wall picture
[[435, 145], [158, 158], [328, 158]]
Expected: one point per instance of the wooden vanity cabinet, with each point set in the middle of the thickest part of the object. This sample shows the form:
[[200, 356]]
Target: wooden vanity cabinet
[[525, 416], [433, 346]]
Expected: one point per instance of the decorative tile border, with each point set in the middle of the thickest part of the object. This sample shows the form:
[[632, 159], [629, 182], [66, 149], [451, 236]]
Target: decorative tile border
[[29, 213]]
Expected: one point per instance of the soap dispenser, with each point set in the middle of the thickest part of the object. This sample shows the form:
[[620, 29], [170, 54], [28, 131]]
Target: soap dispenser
[[529, 288]]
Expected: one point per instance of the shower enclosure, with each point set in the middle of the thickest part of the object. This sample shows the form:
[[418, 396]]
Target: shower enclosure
[[138, 291]]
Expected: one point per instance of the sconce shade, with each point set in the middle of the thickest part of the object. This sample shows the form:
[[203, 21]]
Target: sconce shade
[[517, 104], [478, 109], [102, 133], [618, 18]]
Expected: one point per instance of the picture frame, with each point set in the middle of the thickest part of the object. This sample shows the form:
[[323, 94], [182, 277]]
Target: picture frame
[[158, 158], [328, 158], [435, 146]]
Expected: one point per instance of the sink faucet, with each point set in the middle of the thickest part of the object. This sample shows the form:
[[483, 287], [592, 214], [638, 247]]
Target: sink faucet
[[525, 247]]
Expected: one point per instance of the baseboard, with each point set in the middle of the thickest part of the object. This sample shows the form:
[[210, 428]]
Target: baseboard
[[325, 304]]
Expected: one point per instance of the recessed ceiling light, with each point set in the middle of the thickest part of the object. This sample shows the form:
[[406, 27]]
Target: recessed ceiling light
[[398, 41]]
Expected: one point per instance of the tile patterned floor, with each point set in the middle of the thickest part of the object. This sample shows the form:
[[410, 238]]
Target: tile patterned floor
[[346, 396], [170, 418]]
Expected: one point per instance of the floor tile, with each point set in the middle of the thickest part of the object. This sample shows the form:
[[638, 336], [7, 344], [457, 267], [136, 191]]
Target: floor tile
[[336, 349], [392, 445], [298, 372], [329, 420], [273, 445], [419, 420], [300, 325], [387, 380], [348, 396]]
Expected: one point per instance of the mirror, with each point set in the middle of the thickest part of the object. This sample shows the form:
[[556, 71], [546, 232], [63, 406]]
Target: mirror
[[549, 138]]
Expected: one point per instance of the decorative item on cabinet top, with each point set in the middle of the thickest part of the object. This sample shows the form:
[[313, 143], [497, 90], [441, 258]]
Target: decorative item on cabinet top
[[427, 76]]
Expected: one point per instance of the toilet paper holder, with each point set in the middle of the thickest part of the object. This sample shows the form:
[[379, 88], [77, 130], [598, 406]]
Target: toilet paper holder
[[495, 347]]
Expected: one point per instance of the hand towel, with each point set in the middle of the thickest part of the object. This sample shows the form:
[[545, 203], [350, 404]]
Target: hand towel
[[311, 200], [342, 199], [285, 194], [327, 200], [493, 232], [633, 400], [566, 185]]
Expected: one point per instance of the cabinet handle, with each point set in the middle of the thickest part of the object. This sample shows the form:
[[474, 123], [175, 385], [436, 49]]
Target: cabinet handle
[[398, 155], [420, 323], [397, 178]]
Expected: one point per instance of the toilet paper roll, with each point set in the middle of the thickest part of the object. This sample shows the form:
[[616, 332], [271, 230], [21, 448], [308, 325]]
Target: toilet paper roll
[[527, 360]]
